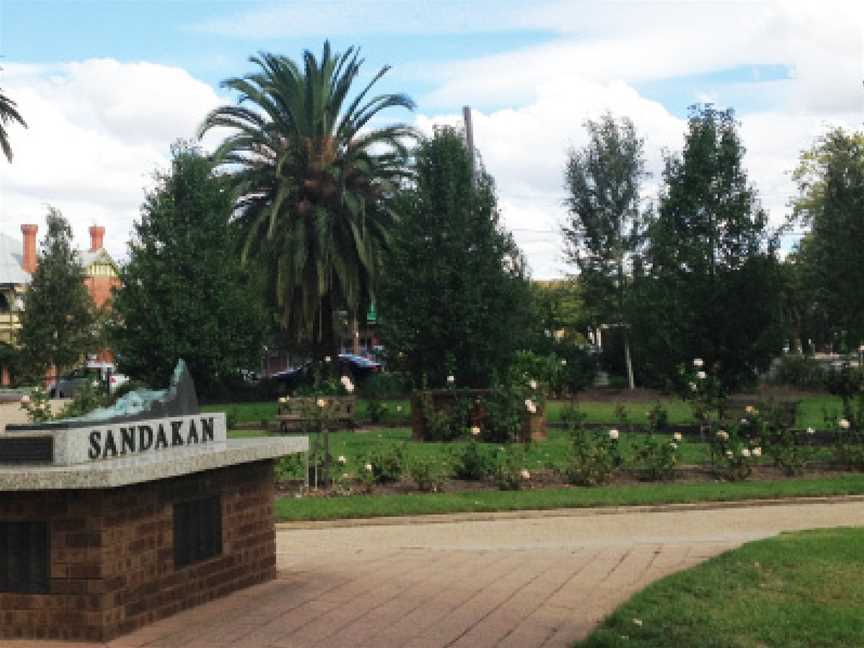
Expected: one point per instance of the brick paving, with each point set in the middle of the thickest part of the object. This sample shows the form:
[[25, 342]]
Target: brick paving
[[526, 582]]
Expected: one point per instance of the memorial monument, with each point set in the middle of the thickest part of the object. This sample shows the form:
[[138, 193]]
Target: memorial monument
[[129, 514]]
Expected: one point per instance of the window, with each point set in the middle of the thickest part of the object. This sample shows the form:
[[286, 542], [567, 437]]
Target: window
[[197, 530], [25, 557]]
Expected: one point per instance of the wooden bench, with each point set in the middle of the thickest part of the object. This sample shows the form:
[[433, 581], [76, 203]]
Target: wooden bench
[[300, 412]]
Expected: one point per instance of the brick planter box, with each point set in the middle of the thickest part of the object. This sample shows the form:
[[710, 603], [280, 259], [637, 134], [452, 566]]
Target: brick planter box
[[112, 562], [533, 425]]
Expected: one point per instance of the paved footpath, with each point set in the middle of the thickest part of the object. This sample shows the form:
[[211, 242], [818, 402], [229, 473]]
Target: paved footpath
[[519, 580]]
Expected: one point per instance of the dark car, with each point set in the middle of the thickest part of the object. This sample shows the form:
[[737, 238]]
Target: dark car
[[356, 366]]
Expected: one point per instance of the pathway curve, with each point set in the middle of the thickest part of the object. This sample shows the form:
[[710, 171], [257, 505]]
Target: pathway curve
[[511, 581]]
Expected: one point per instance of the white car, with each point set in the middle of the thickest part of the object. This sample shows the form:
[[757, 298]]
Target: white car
[[96, 372]]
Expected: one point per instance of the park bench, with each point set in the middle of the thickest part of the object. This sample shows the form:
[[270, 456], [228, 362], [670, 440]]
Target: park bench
[[299, 413]]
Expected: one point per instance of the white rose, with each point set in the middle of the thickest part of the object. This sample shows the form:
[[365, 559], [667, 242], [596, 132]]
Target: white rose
[[327, 358], [693, 386], [368, 467], [613, 434], [451, 380], [475, 431], [744, 421], [723, 435], [750, 409], [342, 460], [25, 399], [673, 445], [698, 363], [398, 408], [530, 406], [844, 424], [321, 403], [757, 452], [811, 431], [533, 384], [745, 452], [525, 474], [349, 388], [677, 436], [701, 375], [729, 453], [283, 400], [564, 363]]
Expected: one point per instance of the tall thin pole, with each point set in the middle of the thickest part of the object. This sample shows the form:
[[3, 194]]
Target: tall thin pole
[[469, 135]]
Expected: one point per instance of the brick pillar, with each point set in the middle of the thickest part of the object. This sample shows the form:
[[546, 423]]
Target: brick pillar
[[29, 262], [4, 377], [97, 233]]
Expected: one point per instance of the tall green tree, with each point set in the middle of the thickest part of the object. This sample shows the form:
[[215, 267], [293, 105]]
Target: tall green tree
[[714, 286], [606, 227], [830, 200], [184, 294], [454, 297], [8, 113], [315, 182], [57, 323]]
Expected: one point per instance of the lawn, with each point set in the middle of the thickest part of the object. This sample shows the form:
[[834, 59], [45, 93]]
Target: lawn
[[398, 412], [362, 506], [796, 590]]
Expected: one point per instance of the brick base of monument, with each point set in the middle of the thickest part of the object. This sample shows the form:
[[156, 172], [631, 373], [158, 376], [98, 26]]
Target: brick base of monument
[[112, 562]]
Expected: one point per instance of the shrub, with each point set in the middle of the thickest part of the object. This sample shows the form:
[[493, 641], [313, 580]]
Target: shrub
[[790, 449], [88, 398], [594, 455], [731, 457], [387, 461], [505, 411], [428, 473], [376, 410], [510, 471], [37, 405], [472, 461], [799, 371], [383, 386], [446, 422], [655, 457]]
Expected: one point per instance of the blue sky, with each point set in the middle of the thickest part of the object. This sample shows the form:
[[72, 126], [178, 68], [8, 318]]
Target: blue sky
[[118, 81]]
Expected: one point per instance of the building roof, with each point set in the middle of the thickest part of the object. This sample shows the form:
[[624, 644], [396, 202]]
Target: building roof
[[11, 252], [89, 257]]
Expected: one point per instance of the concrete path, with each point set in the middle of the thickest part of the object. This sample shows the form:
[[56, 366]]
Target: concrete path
[[522, 581]]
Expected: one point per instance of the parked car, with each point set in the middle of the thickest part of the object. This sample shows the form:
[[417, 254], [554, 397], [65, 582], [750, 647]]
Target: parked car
[[93, 372], [357, 366]]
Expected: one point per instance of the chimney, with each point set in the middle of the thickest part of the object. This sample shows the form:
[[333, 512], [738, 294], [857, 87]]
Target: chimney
[[29, 262], [97, 233]]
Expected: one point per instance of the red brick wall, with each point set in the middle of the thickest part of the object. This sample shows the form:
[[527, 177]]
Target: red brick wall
[[100, 288], [112, 553]]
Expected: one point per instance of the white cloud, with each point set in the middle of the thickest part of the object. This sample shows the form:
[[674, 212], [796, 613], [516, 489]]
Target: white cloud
[[97, 130]]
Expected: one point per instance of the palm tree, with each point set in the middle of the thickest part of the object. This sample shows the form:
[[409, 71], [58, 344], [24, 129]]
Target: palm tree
[[8, 113], [314, 182]]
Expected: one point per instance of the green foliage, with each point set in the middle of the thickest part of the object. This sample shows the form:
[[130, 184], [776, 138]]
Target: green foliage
[[510, 471], [88, 397], [563, 372], [606, 227], [469, 299], [8, 114], [799, 371], [655, 455], [429, 473], [712, 287], [57, 322], [732, 456], [448, 420], [387, 461], [472, 461], [790, 448], [704, 392], [37, 405], [830, 179], [505, 412], [594, 455], [849, 432], [184, 294], [314, 183]]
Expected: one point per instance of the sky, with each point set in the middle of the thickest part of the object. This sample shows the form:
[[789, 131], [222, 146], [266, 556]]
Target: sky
[[107, 86]]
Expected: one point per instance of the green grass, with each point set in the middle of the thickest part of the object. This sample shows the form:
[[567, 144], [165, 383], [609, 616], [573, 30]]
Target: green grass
[[796, 590], [810, 412], [329, 508]]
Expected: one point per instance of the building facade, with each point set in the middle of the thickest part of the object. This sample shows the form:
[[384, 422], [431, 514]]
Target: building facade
[[18, 261]]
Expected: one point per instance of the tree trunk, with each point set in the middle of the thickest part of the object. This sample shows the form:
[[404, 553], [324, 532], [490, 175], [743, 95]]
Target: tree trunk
[[627, 360]]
